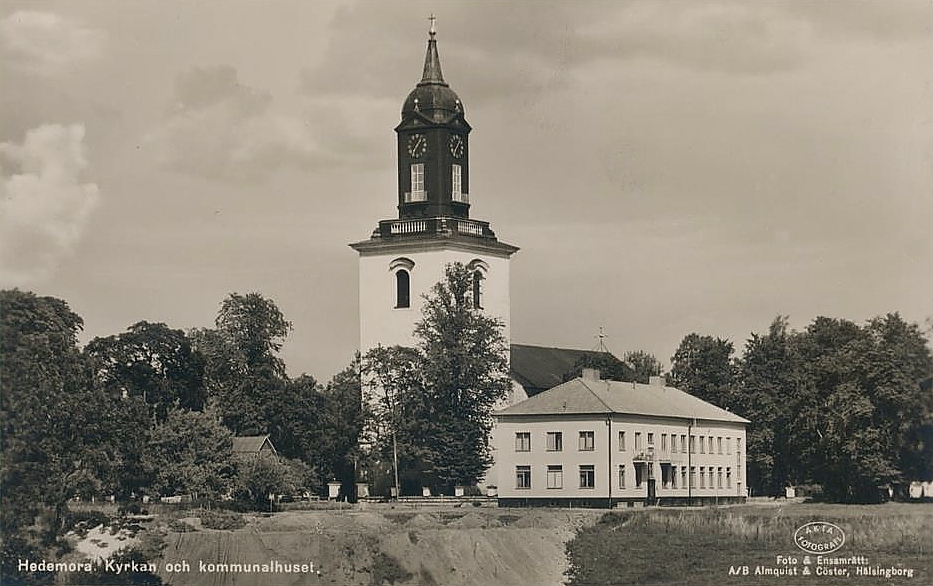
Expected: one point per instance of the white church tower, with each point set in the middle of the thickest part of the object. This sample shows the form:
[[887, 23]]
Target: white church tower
[[405, 256]]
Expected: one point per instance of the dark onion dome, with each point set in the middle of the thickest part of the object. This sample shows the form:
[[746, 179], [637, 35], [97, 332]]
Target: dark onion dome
[[432, 98]]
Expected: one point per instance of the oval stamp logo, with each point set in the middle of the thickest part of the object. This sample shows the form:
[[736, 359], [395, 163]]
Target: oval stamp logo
[[819, 537]]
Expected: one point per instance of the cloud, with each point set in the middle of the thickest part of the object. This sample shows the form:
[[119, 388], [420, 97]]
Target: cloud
[[44, 207], [219, 128], [534, 51], [48, 44]]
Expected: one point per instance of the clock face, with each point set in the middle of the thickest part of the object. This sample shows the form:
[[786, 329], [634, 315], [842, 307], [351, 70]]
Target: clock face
[[456, 146], [417, 145]]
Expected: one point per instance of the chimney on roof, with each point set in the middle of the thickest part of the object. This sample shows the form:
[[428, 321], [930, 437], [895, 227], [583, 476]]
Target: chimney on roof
[[656, 381], [590, 374]]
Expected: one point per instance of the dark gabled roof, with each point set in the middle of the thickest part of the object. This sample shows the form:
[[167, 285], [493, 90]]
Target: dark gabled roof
[[593, 397], [537, 367], [250, 444]]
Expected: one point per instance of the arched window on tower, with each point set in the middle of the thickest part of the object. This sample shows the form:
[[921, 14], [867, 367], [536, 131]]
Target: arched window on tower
[[401, 267], [477, 289], [402, 289]]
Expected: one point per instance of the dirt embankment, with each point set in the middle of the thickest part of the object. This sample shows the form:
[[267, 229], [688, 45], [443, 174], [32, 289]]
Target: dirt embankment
[[381, 546]]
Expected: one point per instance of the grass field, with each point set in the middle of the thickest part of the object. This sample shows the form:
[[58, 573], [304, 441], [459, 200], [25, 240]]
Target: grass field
[[700, 546]]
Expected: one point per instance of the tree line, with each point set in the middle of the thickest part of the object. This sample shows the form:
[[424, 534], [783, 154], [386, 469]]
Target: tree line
[[153, 411], [844, 406]]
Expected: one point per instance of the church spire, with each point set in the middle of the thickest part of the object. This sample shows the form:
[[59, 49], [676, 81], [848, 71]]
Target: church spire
[[432, 63]]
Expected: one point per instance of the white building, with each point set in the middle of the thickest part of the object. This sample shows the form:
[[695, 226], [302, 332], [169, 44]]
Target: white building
[[593, 442]]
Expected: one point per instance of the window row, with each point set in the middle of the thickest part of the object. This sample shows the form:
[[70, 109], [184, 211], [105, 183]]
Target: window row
[[554, 442], [709, 476], [417, 184], [555, 476], [674, 446]]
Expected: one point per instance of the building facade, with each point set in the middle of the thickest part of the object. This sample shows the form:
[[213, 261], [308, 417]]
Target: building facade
[[598, 443]]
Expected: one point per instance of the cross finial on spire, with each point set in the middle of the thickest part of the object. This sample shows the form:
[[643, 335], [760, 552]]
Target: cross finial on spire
[[432, 31]]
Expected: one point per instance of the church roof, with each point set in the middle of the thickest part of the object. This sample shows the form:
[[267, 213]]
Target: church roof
[[594, 396], [538, 367], [432, 98]]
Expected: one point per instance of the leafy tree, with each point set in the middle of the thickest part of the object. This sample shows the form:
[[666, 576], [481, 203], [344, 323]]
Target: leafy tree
[[440, 408], [702, 366], [191, 453], [256, 328], [341, 423], [243, 370], [768, 379], [610, 367], [259, 476], [46, 454], [58, 435], [643, 364], [150, 361]]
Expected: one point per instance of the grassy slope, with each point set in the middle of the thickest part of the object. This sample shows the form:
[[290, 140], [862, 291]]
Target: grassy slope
[[697, 547]]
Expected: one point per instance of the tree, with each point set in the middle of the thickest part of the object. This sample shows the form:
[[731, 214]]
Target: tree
[[58, 436], [243, 371], [610, 367], [767, 376], [46, 455], [702, 366], [341, 423], [465, 374], [643, 364], [259, 476], [256, 328], [435, 402], [151, 361], [191, 453]]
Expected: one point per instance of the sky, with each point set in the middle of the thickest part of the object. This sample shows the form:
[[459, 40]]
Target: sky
[[665, 167]]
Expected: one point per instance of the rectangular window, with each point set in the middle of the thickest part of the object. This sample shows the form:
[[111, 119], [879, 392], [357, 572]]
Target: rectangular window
[[650, 439], [639, 475], [683, 476], [693, 476], [718, 477], [663, 442], [718, 445], [738, 445], [621, 441], [674, 477], [417, 182], [555, 441], [456, 191], [673, 443], [693, 444], [728, 445], [523, 477], [555, 477], [702, 444], [710, 444], [621, 475], [683, 443], [711, 477], [587, 441], [702, 476], [728, 477], [523, 441], [587, 476], [637, 440]]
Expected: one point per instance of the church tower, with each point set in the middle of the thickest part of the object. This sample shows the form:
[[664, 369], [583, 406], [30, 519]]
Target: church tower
[[405, 256]]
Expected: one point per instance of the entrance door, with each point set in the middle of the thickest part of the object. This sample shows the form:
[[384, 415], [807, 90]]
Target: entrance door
[[651, 491]]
